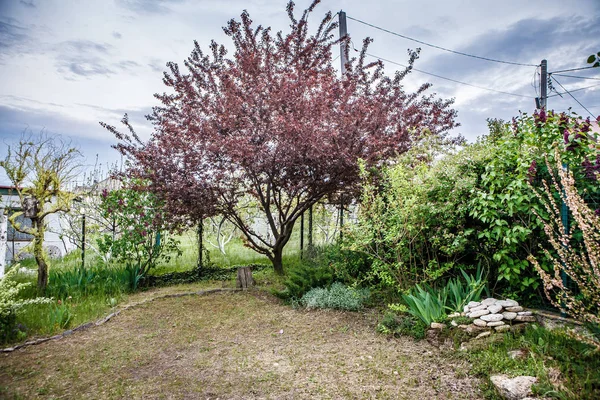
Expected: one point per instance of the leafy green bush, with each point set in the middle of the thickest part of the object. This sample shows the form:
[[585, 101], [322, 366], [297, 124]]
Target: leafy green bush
[[302, 279], [426, 303], [337, 296], [10, 304]]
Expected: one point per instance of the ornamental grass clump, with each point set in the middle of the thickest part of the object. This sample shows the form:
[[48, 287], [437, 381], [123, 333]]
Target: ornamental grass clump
[[579, 260]]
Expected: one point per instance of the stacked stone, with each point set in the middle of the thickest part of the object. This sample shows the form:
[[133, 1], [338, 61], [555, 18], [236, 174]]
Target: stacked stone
[[497, 314]]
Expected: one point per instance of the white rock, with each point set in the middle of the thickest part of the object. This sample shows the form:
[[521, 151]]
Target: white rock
[[473, 304], [437, 325], [466, 309], [494, 308], [483, 334], [509, 315], [479, 313], [507, 303], [479, 308], [492, 317], [524, 313], [495, 323], [502, 328], [454, 315], [479, 322], [513, 388], [489, 301], [514, 309], [453, 323]]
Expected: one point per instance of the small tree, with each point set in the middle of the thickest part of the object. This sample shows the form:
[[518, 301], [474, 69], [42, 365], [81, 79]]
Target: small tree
[[276, 123], [139, 216], [580, 262], [39, 167]]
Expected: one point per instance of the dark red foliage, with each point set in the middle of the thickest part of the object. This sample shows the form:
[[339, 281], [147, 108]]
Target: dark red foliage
[[274, 123]]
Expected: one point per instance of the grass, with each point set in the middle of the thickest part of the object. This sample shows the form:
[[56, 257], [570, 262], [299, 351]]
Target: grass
[[565, 368], [83, 295], [232, 345]]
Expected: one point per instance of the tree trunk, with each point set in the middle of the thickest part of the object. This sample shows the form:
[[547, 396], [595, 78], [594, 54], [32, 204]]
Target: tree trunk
[[277, 261], [38, 253]]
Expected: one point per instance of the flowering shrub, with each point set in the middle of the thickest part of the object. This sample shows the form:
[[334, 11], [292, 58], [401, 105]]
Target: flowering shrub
[[580, 260], [10, 304], [139, 215]]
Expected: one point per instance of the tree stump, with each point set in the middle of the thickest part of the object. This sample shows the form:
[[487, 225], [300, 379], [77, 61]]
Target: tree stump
[[244, 278]]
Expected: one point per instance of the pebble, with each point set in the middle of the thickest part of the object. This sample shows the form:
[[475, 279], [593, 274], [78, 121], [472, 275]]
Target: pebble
[[514, 309], [479, 313], [492, 317], [495, 323], [524, 313], [494, 308], [509, 315], [473, 304], [489, 301], [479, 322], [507, 303], [483, 334]]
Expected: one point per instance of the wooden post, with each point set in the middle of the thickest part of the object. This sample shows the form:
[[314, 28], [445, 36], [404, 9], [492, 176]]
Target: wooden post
[[3, 241], [310, 230], [200, 244], [244, 278], [301, 235]]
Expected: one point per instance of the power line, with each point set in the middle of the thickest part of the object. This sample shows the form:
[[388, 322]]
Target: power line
[[578, 77], [450, 79], [575, 90], [569, 93], [441, 48], [569, 70]]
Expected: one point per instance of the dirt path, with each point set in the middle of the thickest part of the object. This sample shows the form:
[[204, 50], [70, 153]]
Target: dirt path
[[233, 346]]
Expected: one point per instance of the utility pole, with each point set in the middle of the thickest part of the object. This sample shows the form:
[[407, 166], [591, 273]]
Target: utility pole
[[344, 61], [564, 210], [343, 44], [543, 99]]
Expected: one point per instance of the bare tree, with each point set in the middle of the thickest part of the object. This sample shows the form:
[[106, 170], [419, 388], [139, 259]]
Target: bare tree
[[39, 167]]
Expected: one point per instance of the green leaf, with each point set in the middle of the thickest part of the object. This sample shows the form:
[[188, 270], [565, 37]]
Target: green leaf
[[591, 58]]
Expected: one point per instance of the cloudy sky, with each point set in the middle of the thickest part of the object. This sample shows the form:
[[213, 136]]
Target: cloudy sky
[[65, 65]]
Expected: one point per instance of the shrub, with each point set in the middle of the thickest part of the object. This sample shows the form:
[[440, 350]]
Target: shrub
[[579, 261], [337, 296], [302, 279], [10, 304]]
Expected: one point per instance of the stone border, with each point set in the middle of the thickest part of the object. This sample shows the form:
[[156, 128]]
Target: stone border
[[110, 316]]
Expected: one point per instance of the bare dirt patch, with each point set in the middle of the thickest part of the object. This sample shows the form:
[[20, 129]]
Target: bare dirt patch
[[233, 346]]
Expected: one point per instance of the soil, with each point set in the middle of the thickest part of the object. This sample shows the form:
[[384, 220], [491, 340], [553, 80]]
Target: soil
[[234, 345]]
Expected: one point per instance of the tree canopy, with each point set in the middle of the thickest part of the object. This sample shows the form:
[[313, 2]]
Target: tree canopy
[[274, 126]]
